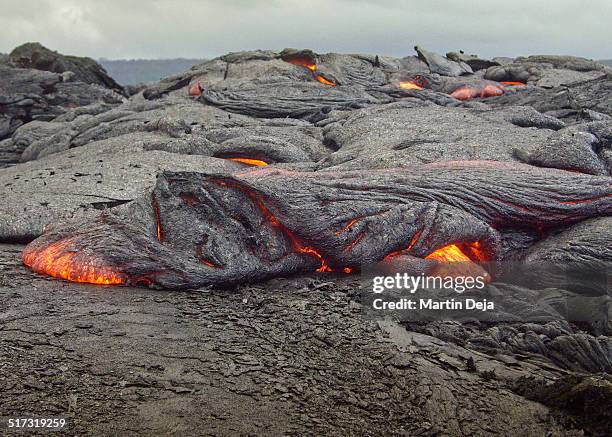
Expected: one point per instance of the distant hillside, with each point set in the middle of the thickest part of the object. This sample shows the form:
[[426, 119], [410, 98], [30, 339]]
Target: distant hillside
[[134, 71]]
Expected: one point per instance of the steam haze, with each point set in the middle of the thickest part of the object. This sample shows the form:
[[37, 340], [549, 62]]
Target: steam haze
[[206, 28]]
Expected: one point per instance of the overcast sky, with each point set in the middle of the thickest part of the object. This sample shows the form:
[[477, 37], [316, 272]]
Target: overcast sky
[[207, 28]]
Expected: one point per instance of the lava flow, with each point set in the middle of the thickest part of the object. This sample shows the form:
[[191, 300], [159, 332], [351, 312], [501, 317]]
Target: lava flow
[[308, 63], [407, 85], [55, 260], [249, 161], [467, 92], [453, 261], [450, 253]]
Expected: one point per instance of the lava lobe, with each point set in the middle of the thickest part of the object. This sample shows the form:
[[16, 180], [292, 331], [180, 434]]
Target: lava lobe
[[198, 229]]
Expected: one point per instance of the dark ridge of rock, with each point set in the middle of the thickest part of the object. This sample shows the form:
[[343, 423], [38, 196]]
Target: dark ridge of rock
[[580, 147], [588, 242], [587, 397], [283, 98], [564, 62], [181, 126], [473, 61], [403, 133], [551, 336], [440, 65], [80, 181], [36, 56], [584, 101], [27, 95], [264, 223]]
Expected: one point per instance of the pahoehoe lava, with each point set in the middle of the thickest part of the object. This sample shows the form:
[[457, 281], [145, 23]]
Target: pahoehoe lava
[[198, 229]]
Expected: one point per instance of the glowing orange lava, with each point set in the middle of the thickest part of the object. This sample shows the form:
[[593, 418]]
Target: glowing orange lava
[[194, 90], [308, 63], [467, 93], [249, 161], [323, 80], [450, 253], [54, 260], [512, 83], [453, 261], [302, 62], [413, 241], [155, 208], [409, 86]]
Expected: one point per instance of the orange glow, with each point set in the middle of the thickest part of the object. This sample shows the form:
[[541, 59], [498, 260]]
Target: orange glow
[[409, 86], [302, 62], [453, 261], [467, 93], [413, 241], [512, 83], [347, 270], [323, 80], [249, 161], [54, 260], [155, 207], [346, 227], [308, 63], [450, 253], [296, 245], [194, 90]]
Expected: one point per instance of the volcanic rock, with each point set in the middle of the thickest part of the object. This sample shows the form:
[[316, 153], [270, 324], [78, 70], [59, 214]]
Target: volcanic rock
[[441, 65], [27, 94], [401, 134], [584, 101], [84, 180], [258, 224], [473, 61], [36, 56]]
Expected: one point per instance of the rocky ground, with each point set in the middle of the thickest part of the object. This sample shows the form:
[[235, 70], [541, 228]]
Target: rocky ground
[[513, 153], [285, 357]]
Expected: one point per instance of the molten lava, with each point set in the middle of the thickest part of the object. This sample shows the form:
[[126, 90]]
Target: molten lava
[[309, 63], [55, 260], [194, 90], [302, 62], [409, 86], [155, 208], [323, 80], [249, 161], [510, 83], [450, 253], [453, 261], [467, 92]]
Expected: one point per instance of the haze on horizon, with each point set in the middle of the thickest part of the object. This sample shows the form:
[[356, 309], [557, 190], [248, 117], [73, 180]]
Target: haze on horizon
[[155, 29]]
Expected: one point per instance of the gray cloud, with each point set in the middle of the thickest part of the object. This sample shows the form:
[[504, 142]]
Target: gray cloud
[[206, 28]]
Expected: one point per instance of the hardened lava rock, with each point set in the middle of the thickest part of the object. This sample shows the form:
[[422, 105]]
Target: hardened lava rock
[[199, 229]]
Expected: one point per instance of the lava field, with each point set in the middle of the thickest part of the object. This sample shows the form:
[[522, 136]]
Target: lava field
[[292, 167]]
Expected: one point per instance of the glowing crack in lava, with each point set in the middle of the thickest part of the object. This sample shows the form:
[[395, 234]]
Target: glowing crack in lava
[[450, 253], [409, 86], [323, 80], [249, 161], [296, 245], [454, 262], [55, 261], [511, 83], [308, 63], [467, 92]]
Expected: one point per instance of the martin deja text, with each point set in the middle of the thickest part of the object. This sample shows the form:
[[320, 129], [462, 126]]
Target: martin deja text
[[432, 304]]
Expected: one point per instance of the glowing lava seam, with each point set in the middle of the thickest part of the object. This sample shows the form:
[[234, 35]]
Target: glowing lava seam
[[249, 161], [312, 67], [55, 261]]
